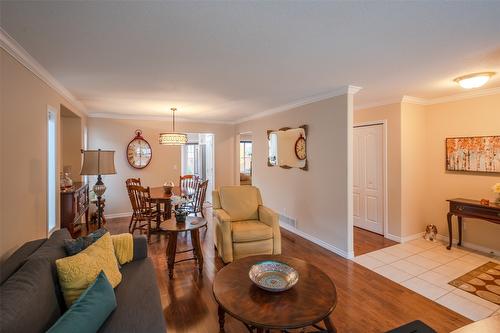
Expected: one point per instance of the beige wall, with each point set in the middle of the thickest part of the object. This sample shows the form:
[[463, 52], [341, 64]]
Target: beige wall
[[418, 184], [320, 199], [71, 143], [391, 114], [115, 134], [413, 168], [24, 100], [470, 117]]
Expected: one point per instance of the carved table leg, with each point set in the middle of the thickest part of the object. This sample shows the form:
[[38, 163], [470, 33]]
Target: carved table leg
[[195, 239], [220, 312], [450, 233], [460, 228], [171, 249], [158, 215], [330, 328]]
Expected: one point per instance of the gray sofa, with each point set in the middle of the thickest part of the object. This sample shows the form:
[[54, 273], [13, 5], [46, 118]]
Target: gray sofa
[[31, 299]]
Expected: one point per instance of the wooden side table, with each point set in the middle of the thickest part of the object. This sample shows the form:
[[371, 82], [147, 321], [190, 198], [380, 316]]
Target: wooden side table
[[172, 228], [308, 303], [471, 209]]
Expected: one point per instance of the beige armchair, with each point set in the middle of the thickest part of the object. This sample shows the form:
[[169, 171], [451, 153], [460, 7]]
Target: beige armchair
[[243, 226]]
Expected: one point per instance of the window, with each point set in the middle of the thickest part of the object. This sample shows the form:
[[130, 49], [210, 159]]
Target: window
[[246, 157], [51, 169]]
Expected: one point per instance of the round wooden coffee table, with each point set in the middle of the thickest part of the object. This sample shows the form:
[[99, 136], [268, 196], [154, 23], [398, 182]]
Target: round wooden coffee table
[[172, 228], [308, 303]]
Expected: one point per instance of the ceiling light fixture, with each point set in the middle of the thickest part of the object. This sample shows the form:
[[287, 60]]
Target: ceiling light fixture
[[474, 80], [173, 138]]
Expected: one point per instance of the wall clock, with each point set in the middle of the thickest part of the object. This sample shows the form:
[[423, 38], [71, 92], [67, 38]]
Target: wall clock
[[139, 151], [300, 148]]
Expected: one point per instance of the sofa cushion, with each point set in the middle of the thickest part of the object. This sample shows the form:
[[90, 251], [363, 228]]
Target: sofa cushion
[[241, 202], [90, 311], [29, 300], [246, 249], [18, 258], [77, 272], [138, 301], [250, 230]]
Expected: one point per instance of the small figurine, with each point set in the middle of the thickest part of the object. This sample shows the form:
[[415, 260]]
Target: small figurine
[[431, 233], [485, 202]]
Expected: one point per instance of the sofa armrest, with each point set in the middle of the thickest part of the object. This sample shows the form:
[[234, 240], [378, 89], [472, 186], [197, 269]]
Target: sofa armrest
[[268, 216], [222, 215], [271, 218], [140, 247]]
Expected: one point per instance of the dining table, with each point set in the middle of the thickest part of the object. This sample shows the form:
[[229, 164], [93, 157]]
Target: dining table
[[159, 197]]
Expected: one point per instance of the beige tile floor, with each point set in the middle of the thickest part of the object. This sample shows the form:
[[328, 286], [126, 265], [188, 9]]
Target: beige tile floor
[[427, 267]]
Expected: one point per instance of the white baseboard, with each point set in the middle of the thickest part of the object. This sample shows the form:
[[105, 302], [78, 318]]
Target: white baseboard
[[317, 241], [393, 237], [405, 238], [469, 245], [412, 237], [113, 216]]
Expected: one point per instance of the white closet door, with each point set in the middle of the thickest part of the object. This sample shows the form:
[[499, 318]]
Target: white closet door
[[368, 182]]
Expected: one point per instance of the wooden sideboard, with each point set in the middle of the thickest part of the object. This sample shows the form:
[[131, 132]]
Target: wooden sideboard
[[472, 209], [74, 204]]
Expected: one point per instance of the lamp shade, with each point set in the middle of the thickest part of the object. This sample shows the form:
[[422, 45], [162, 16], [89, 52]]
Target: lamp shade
[[173, 139], [98, 162]]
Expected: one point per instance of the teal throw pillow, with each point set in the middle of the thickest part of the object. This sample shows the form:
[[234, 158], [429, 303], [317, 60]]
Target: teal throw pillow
[[90, 310]]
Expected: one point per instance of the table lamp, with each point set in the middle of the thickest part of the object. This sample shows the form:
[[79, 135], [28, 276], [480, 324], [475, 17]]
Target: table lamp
[[96, 163]]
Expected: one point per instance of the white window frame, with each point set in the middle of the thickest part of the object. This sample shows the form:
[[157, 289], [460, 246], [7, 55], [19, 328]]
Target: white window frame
[[52, 169]]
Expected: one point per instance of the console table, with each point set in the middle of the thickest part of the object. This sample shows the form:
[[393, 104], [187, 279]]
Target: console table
[[74, 203], [472, 209]]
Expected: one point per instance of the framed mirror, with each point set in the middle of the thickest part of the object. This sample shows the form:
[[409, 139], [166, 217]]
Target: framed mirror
[[288, 147]]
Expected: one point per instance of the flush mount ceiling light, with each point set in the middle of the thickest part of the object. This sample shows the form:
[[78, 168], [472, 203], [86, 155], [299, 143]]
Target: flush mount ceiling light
[[173, 138], [474, 80]]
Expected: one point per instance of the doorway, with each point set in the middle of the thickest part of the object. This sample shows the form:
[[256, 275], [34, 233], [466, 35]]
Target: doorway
[[197, 158], [246, 149], [369, 177]]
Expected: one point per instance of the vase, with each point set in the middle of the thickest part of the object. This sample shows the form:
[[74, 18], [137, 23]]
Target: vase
[[180, 218]]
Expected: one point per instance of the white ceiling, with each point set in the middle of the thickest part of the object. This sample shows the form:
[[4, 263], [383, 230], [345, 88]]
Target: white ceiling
[[224, 61]]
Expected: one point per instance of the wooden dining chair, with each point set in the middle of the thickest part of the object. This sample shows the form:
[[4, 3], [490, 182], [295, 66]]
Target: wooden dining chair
[[199, 199], [188, 183], [140, 198], [130, 182]]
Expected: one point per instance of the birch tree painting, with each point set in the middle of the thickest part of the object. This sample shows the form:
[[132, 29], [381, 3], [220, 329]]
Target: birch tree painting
[[480, 153]]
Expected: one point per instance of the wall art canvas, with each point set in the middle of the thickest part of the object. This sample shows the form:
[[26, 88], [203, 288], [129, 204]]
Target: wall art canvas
[[477, 154]]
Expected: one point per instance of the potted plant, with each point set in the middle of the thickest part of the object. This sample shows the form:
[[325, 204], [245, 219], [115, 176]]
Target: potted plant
[[180, 213]]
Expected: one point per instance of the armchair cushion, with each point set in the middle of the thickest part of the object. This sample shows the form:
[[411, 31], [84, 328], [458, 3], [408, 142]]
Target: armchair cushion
[[251, 230], [240, 202]]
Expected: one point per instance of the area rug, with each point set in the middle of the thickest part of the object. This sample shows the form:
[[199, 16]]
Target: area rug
[[483, 281]]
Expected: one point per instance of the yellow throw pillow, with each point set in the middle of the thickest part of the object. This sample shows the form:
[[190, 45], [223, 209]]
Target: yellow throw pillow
[[77, 272], [124, 247]]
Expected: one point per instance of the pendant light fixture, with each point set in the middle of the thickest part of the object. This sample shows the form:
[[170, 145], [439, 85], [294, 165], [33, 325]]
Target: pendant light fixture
[[173, 138]]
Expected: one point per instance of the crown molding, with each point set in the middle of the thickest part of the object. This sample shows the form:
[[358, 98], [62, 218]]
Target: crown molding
[[344, 90], [125, 116], [377, 104], [415, 100], [451, 98], [12, 47]]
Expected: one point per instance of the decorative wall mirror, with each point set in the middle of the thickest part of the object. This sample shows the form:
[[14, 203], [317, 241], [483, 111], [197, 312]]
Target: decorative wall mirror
[[288, 147]]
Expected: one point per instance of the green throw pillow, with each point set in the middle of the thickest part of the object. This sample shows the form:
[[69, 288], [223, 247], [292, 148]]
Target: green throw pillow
[[90, 310], [75, 246]]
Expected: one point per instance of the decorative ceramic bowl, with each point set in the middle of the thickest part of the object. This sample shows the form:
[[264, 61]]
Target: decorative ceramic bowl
[[273, 275]]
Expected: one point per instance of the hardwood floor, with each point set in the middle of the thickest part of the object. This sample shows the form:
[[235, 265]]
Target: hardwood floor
[[367, 302], [366, 241]]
